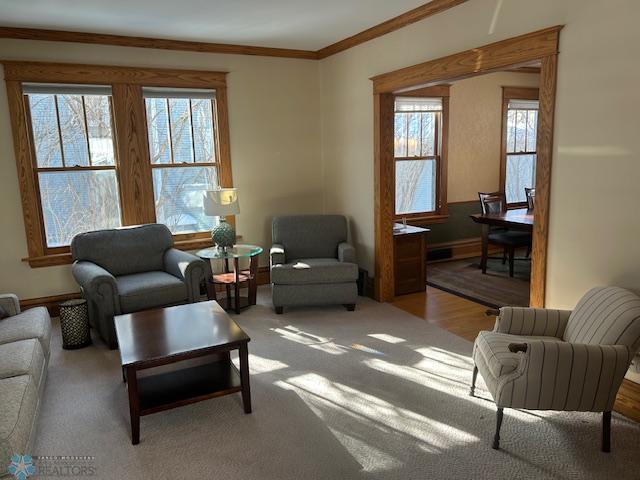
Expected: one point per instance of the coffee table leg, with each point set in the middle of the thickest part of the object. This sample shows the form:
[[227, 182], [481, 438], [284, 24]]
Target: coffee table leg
[[244, 377], [134, 404]]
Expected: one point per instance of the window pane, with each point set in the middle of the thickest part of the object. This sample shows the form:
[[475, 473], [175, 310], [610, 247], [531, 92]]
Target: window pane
[[413, 135], [202, 112], [521, 173], [532, 130], [44, 123], [400, 141], [511, 132], [75, 202], [72, 130], [158, 130], [100, 133], [521, 130], [428, 134], [415, 186], [181, 143], [178, 196]]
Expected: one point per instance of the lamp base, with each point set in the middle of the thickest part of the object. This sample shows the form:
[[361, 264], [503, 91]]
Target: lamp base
[[223, 234]]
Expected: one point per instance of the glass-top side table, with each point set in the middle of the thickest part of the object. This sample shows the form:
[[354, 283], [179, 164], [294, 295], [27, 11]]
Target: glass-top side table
[[234, 277]]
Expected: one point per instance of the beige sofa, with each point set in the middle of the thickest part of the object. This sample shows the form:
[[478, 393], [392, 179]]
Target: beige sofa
[[24, 356]]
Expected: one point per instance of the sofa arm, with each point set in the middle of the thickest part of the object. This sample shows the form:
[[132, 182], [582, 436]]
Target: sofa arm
[[99, 288], [556, 375], [346, 252], [188, 268], [10, 303], [277, 254], [532, 321]]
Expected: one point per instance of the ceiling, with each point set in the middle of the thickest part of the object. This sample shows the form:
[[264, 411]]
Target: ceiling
[[298, 24]]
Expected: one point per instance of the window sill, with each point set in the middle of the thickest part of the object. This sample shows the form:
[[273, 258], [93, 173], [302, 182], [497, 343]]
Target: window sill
[[424, 220], [55, 259]]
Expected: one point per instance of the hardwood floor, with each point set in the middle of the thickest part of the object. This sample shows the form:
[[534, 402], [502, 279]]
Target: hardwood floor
[[466, 318]]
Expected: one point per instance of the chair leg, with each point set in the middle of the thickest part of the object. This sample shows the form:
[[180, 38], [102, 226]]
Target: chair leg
[[512, 254], [606, 432], [350, 306], [472, 390], [504, 255], [279, 310], [496, 438]]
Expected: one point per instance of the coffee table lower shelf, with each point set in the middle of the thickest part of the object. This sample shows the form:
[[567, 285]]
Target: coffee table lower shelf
[[164, 391]]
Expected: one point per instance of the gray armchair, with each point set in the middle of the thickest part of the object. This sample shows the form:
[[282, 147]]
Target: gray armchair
[[132, 269], [312, 263], [543, 359]]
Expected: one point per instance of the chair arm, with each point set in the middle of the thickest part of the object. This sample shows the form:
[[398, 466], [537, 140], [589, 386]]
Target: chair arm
[[10, 303], [188, 268], [277, 254], [556, 375], [98, 287], [532, 321], [346, 252]]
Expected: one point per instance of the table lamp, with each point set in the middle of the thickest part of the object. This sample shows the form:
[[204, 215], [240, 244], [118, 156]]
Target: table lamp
[[221, 203]]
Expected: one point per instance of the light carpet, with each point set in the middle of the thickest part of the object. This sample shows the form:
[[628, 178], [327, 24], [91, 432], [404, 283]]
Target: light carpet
[[370, 394]]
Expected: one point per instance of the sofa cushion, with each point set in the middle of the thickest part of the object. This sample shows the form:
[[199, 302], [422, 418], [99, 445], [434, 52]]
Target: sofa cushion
[[314, 271], [140, 291], [19, 400], [22, 358], [494, 348], [32, 323], [124, 251]]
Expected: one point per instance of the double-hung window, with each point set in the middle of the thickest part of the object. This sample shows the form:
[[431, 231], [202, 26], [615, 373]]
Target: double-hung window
[[101, 147], [182, 150], [418, 145], [72, 134], [519, 137]]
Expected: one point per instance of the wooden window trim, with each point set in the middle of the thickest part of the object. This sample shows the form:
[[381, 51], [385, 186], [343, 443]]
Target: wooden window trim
[[133, 167], [511, 93], [441, 157]]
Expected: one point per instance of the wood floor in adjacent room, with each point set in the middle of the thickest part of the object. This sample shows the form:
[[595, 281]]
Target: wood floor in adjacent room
[[466, 318]]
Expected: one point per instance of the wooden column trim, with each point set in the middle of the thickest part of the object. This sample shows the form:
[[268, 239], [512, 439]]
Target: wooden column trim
[[383, 108], [544, 145], [136, 187]]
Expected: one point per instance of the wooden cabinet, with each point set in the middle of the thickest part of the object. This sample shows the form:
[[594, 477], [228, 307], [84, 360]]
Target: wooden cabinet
[[410, 259]]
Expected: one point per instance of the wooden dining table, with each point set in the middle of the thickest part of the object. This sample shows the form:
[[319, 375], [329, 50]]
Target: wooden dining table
[[514, 219]]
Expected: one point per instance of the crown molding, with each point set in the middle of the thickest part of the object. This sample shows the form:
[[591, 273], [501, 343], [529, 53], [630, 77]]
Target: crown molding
[[146, 42], [419, 13], [432, 8]]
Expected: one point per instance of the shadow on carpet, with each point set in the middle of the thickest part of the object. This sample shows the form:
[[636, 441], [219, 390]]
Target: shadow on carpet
[[494, 289]]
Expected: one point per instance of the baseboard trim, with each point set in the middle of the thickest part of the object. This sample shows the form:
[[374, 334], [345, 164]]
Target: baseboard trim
[[51, 303], [460, 249]]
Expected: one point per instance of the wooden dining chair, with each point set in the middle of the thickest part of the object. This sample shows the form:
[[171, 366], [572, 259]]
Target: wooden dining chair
[[509, 240], [531, 197]]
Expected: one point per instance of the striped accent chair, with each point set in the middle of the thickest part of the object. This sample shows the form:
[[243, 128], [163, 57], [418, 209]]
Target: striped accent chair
[[543, 359]]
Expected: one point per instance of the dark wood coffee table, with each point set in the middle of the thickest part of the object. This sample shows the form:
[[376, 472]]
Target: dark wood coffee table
[[169, 335]]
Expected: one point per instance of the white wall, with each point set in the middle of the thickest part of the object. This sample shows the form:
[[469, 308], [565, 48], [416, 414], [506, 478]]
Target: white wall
[[274, 118], [475, 132], [595, 221]]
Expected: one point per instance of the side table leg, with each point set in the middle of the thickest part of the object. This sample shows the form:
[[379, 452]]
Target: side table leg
[[236, 286], [134, 404], [227, 286], [253, 281], [244, 377]]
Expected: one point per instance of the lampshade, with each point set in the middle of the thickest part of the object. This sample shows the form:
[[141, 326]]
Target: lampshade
[[221, 202]]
